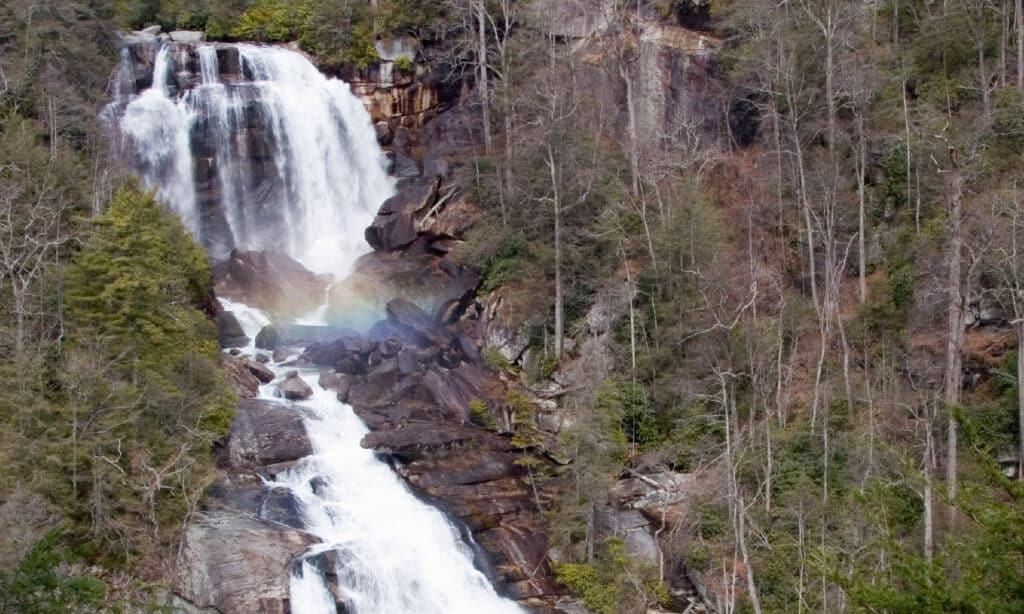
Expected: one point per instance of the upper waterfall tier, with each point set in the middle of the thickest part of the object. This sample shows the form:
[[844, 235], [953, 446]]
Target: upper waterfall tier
[[253, 147]]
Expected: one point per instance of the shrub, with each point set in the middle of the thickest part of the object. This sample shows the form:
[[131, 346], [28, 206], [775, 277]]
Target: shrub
[[494, 358], [38, 586], [272, 20], [480, 414], [1008, 119]]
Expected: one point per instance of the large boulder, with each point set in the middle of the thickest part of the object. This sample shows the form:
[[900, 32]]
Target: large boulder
[[260, 371], [294, 388], [238, 564], [230, 332], [270, 281], [268, 338], [420, 326], [436, 285], [423, 440], [240, 377], [395, 224], [266, 432]]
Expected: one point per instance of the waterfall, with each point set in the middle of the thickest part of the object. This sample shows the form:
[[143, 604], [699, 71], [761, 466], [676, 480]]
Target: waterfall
[[396, 554], [256, 149]]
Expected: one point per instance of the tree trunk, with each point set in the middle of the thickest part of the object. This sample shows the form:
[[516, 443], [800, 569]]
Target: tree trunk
[[1020, 395], [986, 104], [862, 259], [485, 96], [1019, 11], [559, 297], [955, 330]]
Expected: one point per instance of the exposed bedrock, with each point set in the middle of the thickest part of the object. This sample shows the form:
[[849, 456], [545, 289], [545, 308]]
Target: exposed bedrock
[[238, 550], [414, 381]]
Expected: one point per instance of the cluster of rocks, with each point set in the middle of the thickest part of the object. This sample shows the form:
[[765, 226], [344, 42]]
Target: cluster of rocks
[[238, 548], [412, 380]]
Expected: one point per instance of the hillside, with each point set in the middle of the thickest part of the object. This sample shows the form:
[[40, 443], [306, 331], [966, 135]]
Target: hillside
[[666, 305]]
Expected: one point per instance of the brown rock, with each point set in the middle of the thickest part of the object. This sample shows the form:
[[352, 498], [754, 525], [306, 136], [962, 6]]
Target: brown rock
[[237, 563], [266, 432]]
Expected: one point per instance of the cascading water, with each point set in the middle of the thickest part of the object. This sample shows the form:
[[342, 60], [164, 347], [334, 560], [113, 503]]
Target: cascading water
[[257, 150], [396, 555], [308, 188]]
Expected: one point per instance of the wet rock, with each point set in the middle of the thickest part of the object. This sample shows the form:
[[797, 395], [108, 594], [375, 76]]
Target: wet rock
[[419, 277], [282, 353], [269, 281], [229, 331], [318, 485], [266, 432], [260, 371], [349, 349], [395, 224], [407, 362], [237, 563], [281, 506], [422, 440], [268, 338], [262, 359], [294, 388], [417, 324], [240, 378], [187, 36]]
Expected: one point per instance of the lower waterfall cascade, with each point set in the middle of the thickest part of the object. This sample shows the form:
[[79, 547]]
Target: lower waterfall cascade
[[308, 190], [396, 554]]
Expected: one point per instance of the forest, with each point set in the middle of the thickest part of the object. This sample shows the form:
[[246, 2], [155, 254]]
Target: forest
[[817, 288]]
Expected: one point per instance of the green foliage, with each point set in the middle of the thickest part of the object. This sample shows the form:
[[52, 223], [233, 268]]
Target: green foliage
[[272, 20], [603, 586], [547, 366], [526, 434], [585, 581], [629, 402], [505, 263], [138, 283], [142, 370], [38, 586], [404, 63], [480, 414], [1008, 119], [494, 359]]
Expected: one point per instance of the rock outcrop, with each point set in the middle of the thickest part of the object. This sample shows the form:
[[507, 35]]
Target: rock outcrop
[[293, 388], [264, 433], [238, 550], [270, 281], [237, 563], [229, 332], [413, 381]]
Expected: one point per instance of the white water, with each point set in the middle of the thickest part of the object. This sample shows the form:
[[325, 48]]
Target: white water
[[295, 163], [296, 168], [398, 555]]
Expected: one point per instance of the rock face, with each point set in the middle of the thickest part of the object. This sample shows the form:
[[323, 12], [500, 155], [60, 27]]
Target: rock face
[[239, 548], [420, 209], [236, 563], [269, 281], [412, 380], [230, 332], [424, 278], [264, 432], [240, 378]]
